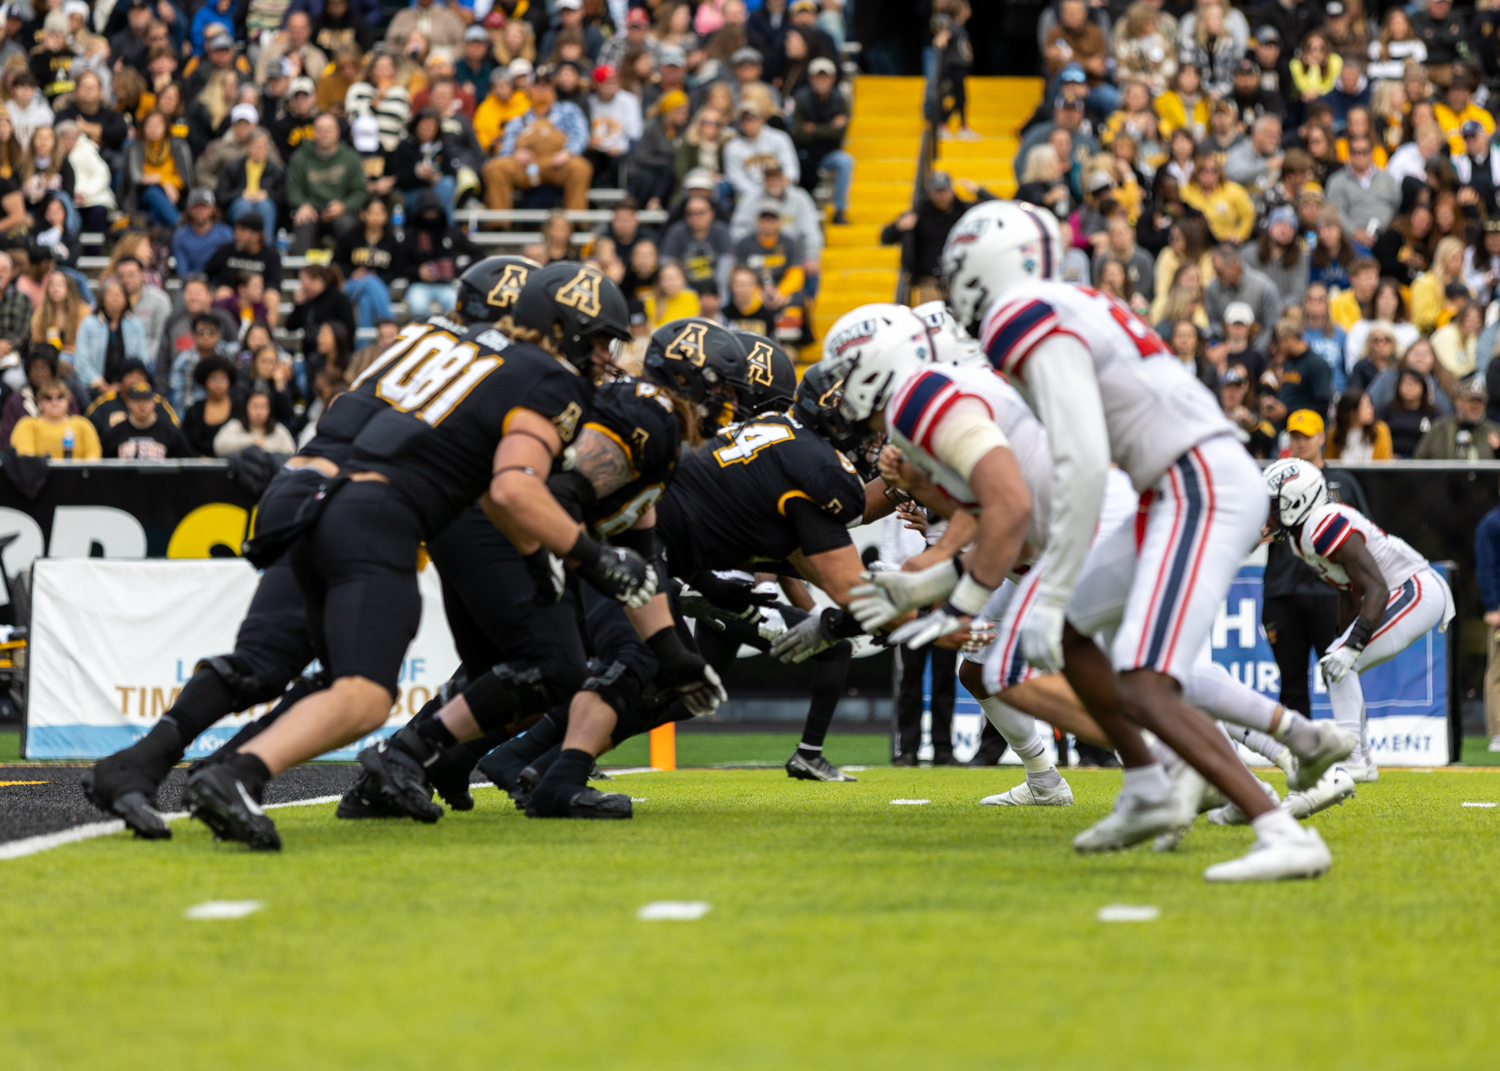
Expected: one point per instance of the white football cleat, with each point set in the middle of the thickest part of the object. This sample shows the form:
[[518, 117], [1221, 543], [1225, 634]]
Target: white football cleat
[[1188, 787], [1283, 855], [1024, 795], [1231, 815], [1336, 786], [1361, 767], [1132, 821], [1334, 745]]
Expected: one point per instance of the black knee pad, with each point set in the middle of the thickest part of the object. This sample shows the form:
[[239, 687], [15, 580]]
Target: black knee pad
[[618, 686], [507, 696], [244, 685]]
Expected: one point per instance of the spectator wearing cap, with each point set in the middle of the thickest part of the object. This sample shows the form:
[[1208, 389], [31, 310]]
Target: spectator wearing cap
[[439, 68], [294, 128], [671, 77], [1074, 39], [422, 161], [746, 157], [248, 252], [1477, 168], [922, 233], [178, 340], [777, 262], [199, 234], [436, 23], [1255, 162], [476, 62], [570, 19], [213, 18], [108, 409], [325, 187], [1467, 434], [502, 104], [379, 94], [51, 61], [1251, 100], [800, 219], [701, 245], [805, 16], [653, 160], [543, 147], [244, 121], [254, 182], [1364, 195], [143, 434], [294, 41], [219, 54], [1234, 281], [1068, 116], [820, 121], [158, 169], [1457, 108], [614, 125], [637, 35], [747, 66]]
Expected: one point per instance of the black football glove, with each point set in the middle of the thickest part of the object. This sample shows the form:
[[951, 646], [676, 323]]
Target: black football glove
[[548, 574], [615, 571]]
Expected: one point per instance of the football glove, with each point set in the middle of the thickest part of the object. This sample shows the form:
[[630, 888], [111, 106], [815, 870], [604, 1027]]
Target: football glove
[[804, 639], [930, 627], [1335, 665], [1041, 637], [548, 574]]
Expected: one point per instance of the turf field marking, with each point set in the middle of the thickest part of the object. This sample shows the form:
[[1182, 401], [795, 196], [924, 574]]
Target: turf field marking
[[223, 909], [1480, 804], [673, 910], [1128, 913], [630, 769], [909, 803]]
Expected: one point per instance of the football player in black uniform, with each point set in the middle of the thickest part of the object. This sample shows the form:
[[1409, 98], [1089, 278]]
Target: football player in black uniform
[[272, 647], [439, 424]]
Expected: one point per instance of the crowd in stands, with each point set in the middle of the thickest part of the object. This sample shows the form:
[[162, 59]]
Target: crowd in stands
[[198, 148], [1302, 198]]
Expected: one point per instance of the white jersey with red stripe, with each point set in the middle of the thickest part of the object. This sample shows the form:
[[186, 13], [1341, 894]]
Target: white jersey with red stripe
[[1155, 411], [1329, 526], [918, 407]]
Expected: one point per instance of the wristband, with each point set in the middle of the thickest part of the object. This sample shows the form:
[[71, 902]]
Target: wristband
[[1359, 634], [969, 596], [839, 624], [585, 551]]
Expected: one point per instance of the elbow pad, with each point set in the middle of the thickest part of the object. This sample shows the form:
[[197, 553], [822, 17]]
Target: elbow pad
[[573, 491]]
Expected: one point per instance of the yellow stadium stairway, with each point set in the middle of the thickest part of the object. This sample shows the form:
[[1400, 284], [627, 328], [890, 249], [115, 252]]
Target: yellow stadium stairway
[[885, 137]]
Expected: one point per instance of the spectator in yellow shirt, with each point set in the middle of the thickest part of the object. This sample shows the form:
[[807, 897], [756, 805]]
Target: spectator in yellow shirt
[[1429, 290], [1458, 108], [671, 298], [1185, 105], [1356, 301], [1226, 205], [49, 434], [503, 104], [1315, 68]]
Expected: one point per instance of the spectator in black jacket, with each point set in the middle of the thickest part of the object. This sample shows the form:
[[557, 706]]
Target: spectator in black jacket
[[105, 126], [819, 122], [319, 299], [422, 162], [371, 259], [764, 27], [437, 254], [253, 183], [923, 232]]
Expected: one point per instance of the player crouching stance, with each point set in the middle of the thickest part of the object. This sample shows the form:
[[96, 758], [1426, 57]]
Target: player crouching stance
[[1396, 596]]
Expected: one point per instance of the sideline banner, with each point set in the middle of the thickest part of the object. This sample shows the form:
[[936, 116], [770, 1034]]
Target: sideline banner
[[112, 643]]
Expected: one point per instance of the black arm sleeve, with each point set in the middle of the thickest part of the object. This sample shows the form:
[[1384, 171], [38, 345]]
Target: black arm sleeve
[[573, 491], [816, 530]]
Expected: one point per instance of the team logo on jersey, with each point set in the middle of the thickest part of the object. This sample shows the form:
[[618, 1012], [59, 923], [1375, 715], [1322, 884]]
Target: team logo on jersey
[[689, 346], [582, 292], [566, 422], [759, 361], [505, 292]]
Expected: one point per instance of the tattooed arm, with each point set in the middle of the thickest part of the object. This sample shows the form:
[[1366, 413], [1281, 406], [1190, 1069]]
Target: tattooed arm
[[600, 458]]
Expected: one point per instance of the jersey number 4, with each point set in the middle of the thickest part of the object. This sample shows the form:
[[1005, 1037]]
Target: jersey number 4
[[749, 441], [434, 377]]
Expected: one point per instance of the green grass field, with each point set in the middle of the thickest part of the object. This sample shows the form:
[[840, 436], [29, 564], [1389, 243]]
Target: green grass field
[[844, 932]]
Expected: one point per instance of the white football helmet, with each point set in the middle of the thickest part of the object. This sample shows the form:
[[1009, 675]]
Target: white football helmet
[[1296, 487], [854, 328], [994, 246], [951, 344], [874, 360]]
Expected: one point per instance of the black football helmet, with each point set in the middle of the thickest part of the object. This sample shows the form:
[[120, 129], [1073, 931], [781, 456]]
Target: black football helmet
[[816, 406], [570, 303], [771, 376], [700, 361], [488, 290]]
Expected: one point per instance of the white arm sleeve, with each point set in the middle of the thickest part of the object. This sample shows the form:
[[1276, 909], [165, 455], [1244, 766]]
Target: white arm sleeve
[[966, 434], [1059, 374]]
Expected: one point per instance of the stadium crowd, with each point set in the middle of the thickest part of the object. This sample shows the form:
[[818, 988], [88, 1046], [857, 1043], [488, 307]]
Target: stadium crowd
[[1302, 198], [198, 147]]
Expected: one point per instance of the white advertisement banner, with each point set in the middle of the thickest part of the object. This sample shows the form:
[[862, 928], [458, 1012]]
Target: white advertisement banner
[[113, 642]]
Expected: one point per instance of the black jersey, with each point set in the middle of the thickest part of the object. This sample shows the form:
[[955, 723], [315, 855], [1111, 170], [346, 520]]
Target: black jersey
[[430, 411], [642, 422], [737, 498]]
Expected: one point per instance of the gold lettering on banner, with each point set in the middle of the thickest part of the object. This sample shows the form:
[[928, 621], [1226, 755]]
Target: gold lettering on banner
[[162, 702], [125, 694]]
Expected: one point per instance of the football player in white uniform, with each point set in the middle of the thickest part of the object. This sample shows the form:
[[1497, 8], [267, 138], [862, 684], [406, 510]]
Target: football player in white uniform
[[1107, 387], [1395, 596]]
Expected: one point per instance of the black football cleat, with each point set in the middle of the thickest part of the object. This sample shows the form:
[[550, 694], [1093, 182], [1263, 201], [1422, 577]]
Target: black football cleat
[[362, 801], [450, 776], [395, 770], [596, 773], [816, 768], [591, 803], [219, 799], [126, 794]]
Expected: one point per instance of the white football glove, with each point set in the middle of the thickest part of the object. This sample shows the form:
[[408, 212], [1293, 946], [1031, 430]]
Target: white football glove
[[803, 640], [771, 624], [1041, 637], [929, 628], [912, 591], [871, 606], [703, 697], [1336, 664]]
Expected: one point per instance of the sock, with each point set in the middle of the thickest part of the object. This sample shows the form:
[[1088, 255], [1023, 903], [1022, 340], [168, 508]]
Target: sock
[[1147, 783], [204, 699], [1211, 688], [1165, 756], [1020, 733], [434, 732], [1275, 823], [809, 750], [827, 688], [252, 772], [1257, 741], [562, 780], [1348, 700]]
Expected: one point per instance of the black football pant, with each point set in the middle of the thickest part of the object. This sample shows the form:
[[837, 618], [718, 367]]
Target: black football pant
[[830, 668], [1298, 626], [909, 700]]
